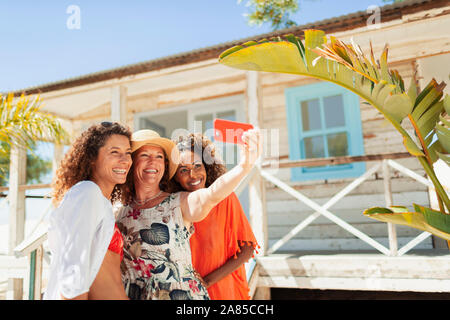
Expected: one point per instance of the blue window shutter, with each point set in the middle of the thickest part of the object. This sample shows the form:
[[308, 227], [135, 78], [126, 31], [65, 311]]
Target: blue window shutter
[[353, 129]]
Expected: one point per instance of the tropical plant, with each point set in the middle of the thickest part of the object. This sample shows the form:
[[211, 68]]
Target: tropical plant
[[329, 59], [275, 12], [37, 167], [22, 124]]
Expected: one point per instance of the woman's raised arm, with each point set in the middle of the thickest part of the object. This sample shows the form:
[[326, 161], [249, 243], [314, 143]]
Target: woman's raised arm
[[196, 205]]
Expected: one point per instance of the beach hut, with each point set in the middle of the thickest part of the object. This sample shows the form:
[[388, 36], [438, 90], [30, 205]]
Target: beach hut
[[307, 219]]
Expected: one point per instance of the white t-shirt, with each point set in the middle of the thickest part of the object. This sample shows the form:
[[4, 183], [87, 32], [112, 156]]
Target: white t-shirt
[[79, 233]]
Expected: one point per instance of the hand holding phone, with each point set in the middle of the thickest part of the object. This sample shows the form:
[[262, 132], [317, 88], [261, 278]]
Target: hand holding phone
[[243, 134]]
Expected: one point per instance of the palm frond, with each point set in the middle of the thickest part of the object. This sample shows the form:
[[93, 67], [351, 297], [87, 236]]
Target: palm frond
[[22, 123]]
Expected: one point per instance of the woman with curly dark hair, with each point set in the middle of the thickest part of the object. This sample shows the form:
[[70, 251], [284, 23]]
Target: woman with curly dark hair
[[86, 245], [224, 240]]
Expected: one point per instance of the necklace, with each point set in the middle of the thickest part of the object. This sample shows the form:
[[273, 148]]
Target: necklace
[[143, 202]]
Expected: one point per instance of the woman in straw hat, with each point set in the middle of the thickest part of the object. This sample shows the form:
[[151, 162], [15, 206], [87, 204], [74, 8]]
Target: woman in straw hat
[[157, 225], [86, 247]]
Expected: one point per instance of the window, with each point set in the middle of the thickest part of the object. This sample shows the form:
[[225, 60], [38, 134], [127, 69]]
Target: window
[[324, 121], [162, 121]]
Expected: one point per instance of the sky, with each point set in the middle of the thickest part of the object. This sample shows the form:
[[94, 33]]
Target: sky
[[38, 47]]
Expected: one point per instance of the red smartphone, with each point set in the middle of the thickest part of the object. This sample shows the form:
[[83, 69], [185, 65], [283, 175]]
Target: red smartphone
[[230, 131]]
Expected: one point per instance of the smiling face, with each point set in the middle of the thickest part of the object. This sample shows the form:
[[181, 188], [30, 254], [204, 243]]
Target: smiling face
[[149, 166], [113, 162], [191, 173]]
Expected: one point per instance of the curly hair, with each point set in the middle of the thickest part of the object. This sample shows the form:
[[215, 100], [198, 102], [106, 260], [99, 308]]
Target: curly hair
[[128, 190], [76, 165], [204, 148]]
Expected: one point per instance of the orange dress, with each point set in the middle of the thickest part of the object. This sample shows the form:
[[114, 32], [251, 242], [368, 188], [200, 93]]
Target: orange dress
[[215, 240]]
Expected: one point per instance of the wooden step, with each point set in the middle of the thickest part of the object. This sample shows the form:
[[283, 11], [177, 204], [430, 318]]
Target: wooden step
[[420, 271]]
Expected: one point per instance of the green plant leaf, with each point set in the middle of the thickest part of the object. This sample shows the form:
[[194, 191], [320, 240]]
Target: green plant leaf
[[435, 218], [313, 39], [399, 209], [425, 116], [447, 104], [412, 147], [376, 210], [416, 220], [444, 157], [443, 135], [398, 106], [444, 121], [412, 90]]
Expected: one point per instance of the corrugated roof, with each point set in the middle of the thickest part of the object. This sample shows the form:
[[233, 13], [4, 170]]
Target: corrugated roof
[[335, 24]]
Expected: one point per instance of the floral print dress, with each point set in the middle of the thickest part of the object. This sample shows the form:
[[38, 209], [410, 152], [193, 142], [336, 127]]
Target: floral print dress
[[157, 261]]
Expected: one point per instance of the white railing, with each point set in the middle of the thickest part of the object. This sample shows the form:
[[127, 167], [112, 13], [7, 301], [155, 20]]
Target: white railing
[[32, 246], [323, 210], [384, 164]]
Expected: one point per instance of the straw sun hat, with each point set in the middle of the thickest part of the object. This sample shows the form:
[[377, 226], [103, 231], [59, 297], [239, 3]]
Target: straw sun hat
[[149, 137]]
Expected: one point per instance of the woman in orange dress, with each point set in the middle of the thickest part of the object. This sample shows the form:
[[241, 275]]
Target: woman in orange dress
[[223, 241]]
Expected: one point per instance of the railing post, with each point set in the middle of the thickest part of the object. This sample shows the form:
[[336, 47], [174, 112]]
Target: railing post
[[256, 190], [36, 264], [32, 259], [258, 218], [392, 232], [16, 197]]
